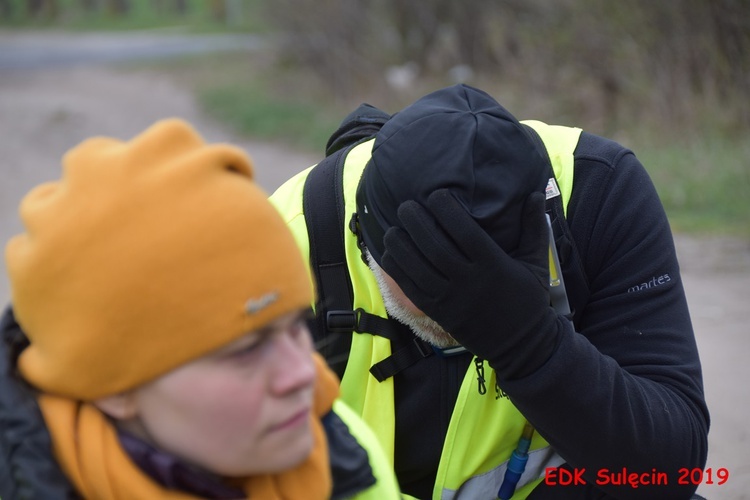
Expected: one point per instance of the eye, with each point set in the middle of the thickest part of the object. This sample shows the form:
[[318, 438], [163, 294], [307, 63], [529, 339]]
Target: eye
[[301, 325], [248, 350]]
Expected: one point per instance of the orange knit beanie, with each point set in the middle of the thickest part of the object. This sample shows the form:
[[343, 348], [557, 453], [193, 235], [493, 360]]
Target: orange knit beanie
[[145, 255]]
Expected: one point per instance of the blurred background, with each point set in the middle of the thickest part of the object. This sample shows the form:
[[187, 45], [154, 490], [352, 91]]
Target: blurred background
[[670, 80]]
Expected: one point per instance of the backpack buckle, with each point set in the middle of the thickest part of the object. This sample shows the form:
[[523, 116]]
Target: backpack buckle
[[342, 321]]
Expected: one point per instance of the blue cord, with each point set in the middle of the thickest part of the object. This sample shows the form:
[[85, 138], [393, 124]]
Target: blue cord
[[516, 464]]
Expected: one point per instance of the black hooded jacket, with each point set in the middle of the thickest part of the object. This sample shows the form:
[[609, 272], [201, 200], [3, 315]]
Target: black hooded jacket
[[622, 389], [624, 385]]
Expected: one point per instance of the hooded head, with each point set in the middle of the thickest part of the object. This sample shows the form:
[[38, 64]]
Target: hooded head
[[145, 255], [458, 138]]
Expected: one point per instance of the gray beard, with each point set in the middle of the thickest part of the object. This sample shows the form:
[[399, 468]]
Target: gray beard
[[422, 326]]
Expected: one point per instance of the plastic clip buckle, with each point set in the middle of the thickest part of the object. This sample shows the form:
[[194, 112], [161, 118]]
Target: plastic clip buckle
[[342, 321]]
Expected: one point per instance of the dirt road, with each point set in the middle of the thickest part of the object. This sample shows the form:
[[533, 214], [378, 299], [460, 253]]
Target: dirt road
[[44, 112]]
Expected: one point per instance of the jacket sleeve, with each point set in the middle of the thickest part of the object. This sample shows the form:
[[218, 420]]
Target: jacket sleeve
[[28, 469], [623, 392]]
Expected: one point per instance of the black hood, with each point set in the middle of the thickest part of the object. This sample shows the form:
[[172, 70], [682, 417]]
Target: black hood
[[458, 138]]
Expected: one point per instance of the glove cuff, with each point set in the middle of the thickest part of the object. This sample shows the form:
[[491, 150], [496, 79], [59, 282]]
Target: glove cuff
[[531, 350]]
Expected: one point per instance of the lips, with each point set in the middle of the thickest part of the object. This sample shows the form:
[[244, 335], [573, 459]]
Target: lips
[[294, 421]]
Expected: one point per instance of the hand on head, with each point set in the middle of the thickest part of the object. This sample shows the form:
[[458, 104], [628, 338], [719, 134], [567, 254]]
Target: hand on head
[[492, 302]]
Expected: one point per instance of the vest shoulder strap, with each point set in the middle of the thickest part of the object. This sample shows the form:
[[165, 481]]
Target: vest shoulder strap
[[573, 272], [335, 321], [323, 206]]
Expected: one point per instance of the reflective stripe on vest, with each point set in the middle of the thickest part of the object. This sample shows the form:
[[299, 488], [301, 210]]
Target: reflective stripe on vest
[[488, 484]]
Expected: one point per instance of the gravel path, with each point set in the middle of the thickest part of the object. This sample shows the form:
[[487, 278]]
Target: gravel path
[[44, 112]]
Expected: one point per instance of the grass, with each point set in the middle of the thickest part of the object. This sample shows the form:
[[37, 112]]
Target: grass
[[256, 111], [250, 94], [704, 183], [197, 16]]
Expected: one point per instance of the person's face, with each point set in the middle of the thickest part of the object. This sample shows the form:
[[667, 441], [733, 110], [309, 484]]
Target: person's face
[[400, 307], [242, 410]]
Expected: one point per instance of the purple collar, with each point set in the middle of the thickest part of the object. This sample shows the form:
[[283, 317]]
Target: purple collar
[[173, 474]]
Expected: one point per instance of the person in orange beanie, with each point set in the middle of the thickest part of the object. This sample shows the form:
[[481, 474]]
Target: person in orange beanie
[[159, 319]]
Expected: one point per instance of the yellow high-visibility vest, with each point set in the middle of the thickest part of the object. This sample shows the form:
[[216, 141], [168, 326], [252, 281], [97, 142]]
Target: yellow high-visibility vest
[[483, 430]]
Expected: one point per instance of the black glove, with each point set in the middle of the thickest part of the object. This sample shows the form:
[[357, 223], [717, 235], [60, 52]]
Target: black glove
[[494, 304]]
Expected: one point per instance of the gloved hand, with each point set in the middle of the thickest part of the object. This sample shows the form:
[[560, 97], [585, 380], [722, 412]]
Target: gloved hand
[[496, 305]]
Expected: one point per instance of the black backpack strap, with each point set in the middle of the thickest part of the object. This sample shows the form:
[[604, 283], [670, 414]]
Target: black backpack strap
[[402, 359], [360, 321], [323, 206], [335, 321]]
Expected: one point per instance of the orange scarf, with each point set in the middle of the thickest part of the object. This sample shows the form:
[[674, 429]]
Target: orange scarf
[[89, 452]]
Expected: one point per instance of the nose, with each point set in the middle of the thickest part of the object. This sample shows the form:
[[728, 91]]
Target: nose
[[294, 368]]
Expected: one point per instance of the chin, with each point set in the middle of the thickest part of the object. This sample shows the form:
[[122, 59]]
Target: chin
[[271, 464], [269, 458], [291, 457], [285, 456]]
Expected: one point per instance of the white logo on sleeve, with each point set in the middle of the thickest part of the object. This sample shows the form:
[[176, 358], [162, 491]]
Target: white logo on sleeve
[[652, 283]]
